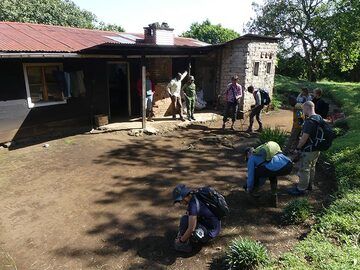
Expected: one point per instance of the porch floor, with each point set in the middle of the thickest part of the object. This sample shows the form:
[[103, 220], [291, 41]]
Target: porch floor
[[160, 123]]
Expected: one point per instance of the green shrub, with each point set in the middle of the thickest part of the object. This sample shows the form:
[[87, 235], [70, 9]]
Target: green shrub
[[296, 211], [273, 134], [246, 254], [276, 102]]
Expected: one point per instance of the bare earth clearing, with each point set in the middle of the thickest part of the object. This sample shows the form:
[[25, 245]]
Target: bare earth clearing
[[104, 201]]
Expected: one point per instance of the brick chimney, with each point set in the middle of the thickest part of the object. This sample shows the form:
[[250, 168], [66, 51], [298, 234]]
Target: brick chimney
[[159, 34]]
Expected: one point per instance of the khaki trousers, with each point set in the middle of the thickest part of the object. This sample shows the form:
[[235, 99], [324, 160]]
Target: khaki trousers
[[307, 169]]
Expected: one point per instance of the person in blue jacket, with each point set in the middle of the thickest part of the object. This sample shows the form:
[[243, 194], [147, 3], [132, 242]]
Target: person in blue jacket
[[266, 161]]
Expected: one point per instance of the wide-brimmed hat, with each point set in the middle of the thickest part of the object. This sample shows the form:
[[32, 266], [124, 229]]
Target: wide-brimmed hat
[[180, 192]]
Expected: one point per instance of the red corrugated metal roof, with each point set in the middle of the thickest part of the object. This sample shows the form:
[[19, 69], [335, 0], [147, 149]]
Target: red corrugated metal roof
[[29, 37]]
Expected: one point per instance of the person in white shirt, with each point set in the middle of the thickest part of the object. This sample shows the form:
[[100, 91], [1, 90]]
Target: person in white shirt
[[174, 90]]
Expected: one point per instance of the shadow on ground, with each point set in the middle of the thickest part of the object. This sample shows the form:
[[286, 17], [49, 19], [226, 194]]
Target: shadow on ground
[[138, 220]]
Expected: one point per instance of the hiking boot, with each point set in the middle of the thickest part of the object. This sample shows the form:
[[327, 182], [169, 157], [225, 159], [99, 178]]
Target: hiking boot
[[259, 130], [296, 192], [182, 119], [183, 247], [249, 130], [189, 118], [193, 118]]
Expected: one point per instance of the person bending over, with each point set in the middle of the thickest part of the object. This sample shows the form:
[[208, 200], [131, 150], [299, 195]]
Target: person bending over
[[266, 161]]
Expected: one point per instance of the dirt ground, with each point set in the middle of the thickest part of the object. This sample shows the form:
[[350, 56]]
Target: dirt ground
[[104, 201]]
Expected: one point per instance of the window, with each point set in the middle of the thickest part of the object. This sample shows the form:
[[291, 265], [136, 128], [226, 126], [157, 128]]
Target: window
[[42, 84], [256, 68], [268, 68]]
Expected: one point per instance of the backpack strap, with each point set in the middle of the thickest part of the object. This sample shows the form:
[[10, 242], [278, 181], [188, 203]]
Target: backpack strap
[[197, 204]]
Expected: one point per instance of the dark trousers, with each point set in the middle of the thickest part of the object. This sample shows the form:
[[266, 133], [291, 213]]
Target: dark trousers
[[263, 172], [256, 113], [230, 111], [201, 233], [176, 106]]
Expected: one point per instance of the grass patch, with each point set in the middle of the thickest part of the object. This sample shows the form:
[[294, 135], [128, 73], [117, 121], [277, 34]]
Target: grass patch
[[334, 240], [246, 254], [296, 211], [273, 134]]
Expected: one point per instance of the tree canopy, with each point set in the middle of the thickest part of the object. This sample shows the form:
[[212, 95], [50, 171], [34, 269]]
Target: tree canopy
[[54, 12], [322, 32], [210, 33]]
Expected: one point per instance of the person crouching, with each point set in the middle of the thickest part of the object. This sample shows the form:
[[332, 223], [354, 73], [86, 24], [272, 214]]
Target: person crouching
[[199, 225]]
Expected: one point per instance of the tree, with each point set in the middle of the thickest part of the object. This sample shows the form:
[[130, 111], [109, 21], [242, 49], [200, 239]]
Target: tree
[[54, 12], [302, 24], [344, 34], [210, 33], [110, 27]]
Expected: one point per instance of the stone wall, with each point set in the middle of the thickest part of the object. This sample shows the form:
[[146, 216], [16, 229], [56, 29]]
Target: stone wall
[[160, 71], [233, 61], [263, 53], [239, 57]]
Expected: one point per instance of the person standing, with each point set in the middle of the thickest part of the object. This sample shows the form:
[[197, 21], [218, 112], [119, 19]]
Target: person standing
[[149, 95], [298, 121], [305, 148], [174, 90], [304, 96], [232, 96], [321, 107], [189, 90], [255, 109]]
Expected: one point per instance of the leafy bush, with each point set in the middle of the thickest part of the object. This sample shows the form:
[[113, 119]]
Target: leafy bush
[[273, 134], [296, 211], [246, 254], [276, 102]]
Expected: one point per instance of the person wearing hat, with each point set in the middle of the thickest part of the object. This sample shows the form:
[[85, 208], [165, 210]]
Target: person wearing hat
[[266, 161], [174, 90], [199, 225], [233, 95], [189, 91]]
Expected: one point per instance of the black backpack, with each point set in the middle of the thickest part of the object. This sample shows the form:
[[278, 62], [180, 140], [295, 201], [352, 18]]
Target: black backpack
[[324, 136], [265, 97], [213, 200]]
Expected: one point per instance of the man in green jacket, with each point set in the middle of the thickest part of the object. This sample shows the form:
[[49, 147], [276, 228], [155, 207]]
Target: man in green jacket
[[189, 91]]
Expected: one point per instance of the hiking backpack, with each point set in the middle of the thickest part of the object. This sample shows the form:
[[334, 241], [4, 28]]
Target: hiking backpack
[[213, 200], [324, 136], [265, 97]]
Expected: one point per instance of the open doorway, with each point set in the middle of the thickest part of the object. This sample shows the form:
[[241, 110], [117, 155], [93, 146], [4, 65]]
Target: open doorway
[[118, 82]]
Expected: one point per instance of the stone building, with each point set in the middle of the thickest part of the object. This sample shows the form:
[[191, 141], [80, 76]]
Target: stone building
[[54, 78], [253, 59]]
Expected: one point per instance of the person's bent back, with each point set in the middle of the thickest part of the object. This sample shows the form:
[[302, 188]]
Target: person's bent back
[[266, 161], [199, 225]]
